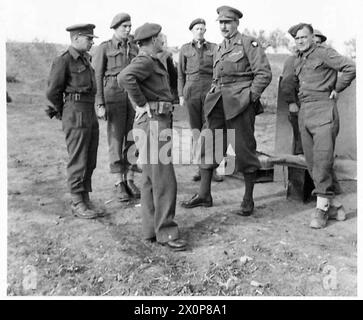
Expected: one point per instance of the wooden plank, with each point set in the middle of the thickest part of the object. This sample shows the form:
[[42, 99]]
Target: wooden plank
[[283, 132]]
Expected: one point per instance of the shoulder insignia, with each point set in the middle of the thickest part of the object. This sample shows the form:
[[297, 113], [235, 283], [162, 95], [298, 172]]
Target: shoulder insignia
[[254, 43]]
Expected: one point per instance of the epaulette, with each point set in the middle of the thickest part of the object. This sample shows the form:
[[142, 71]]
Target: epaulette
[[64, 53], [144, 54], [186, 44], [251, 40], [105, 42]]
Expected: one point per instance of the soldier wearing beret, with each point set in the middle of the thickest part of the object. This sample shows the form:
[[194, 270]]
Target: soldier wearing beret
[[316, 68], [113, 104], [195, 73], [241, 73], [147, 82], [71, 90]]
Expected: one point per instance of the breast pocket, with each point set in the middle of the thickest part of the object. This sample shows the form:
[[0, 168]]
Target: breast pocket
[[114, 59], [162, 77], [80, 76], [192, 62], [208, 58], [314, 64], [236, 62]]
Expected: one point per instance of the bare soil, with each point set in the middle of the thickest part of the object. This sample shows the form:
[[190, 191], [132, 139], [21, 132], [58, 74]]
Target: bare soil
[[107, 256]]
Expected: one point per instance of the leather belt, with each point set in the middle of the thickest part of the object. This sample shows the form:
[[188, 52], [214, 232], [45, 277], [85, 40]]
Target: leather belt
[[226, 80], [80, 97]]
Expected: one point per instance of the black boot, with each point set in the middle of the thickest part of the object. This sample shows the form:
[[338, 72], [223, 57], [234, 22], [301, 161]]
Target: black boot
[[90, 205], [247, 204], [203, 198], [79, 208], [196, 177], [121, 192], [132, 189]]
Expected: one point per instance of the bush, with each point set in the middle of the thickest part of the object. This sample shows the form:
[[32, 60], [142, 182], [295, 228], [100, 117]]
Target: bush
[[11, 79]]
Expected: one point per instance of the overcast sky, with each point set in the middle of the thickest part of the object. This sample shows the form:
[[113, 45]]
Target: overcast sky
[[46, 20]]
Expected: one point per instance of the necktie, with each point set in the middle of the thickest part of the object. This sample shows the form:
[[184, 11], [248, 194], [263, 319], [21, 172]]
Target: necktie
[[84, 60], [226, 43]]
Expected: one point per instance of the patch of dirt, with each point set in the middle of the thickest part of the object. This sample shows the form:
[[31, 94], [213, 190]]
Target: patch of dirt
[[52, 253]]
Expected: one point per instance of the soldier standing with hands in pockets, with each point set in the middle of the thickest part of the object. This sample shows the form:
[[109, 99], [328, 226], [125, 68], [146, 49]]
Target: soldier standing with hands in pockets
[[241, 73]]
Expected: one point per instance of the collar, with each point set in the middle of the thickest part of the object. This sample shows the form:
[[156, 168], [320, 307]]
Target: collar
[[74, 53], [117, 42], [307, 52], [146, 52], [203, 42], [234, 37], [155, 56]]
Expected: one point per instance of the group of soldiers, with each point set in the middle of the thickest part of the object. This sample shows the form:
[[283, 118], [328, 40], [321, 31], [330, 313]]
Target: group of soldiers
[[132, 82]]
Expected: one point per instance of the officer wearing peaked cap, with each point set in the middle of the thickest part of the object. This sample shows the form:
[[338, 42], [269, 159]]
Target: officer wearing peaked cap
[[241, 73], [71, 90], [226, 13], [195, 73], [82, 29], [147, 82], [113, 104]]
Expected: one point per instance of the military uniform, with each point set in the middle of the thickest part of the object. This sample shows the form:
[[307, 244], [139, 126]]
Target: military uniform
[[241, 72], [71, 90], [111, 57], [289, 88], [195, 73], [146, 81], [317, 71]]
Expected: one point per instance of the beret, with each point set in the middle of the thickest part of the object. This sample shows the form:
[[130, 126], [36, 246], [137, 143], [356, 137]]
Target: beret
[[147, 30], [318, 33], [84, 29], [294, 29], [196, 21], [226, 13], [118, 19]]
